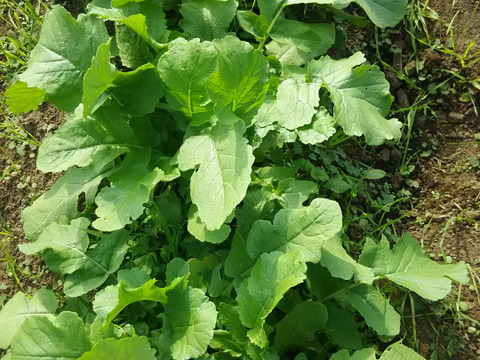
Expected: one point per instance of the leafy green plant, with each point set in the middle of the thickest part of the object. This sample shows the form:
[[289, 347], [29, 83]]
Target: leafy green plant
[[182, 212]]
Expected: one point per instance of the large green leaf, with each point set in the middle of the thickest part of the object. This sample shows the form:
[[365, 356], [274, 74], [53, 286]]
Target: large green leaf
[[197, 228], [57, 66], [343, 328], [185, 68], [271, 277], [304, 230], [294, 106], [360, 96], [41, 337], [207, 20], [98, 140], [376, 310], [62, 200], [223, 175], [189, 321], [133, 348], [64, 245], [122, 202], [99, 264], [134, 51], [19, 308], [241, 82], [407, 265]]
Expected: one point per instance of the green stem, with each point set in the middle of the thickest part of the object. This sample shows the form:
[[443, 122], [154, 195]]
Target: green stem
[[265, 38]]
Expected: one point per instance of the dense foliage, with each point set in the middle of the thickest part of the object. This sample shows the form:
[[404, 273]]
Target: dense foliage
[[178, 204]]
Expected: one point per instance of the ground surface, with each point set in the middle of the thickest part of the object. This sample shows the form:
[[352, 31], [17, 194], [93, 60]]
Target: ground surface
[[444, 208]]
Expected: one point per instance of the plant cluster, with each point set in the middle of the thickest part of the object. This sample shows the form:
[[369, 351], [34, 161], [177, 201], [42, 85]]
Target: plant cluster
[[182, 214]]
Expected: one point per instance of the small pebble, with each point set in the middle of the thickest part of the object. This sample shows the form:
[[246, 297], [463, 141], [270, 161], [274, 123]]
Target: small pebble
[[455, 117]]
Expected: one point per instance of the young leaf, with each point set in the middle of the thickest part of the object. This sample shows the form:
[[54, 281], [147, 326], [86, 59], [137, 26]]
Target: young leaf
[[237, 261], [133, 348], [98, 140], [98, 78], [319, 130], [62, 200], [133, 50], [407, 265], [294, 106], [304, 230], [363, 354], [22, 98], [271, 277], [299, 326], [376, 310], [360, 96], [207, 20], [225, 162], [188, 325], [400, 352], [20, 307], [241, 82], [99, 264], [185, 68], [293, 193], [41, 337], [64, 245], [253, 23], [124, 200], [57, 66]]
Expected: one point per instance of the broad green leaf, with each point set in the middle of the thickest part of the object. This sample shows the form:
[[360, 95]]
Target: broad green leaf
[[62, 200], [319, 130], [138, 91], [224, 341], [185, 68], [257, 204], [41, 337], [64, 245], [360, 96], [58, 67], [100, 263], [294, 106], [375, 309], [22, 98], [20, 307], [400, 352], [98, 78], [207, 20], [341, 265], [299, 326], [407, 265], [198, 229], [312, 39], [133, 348], [224, 163], [383, 13], [147, 19], [287, 54], [303, 229], [241, 82], [271, 277], [230, 318], [122, 202], [113, 299], [269, 9], [293, 193], [189, 321], [97, 140]]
